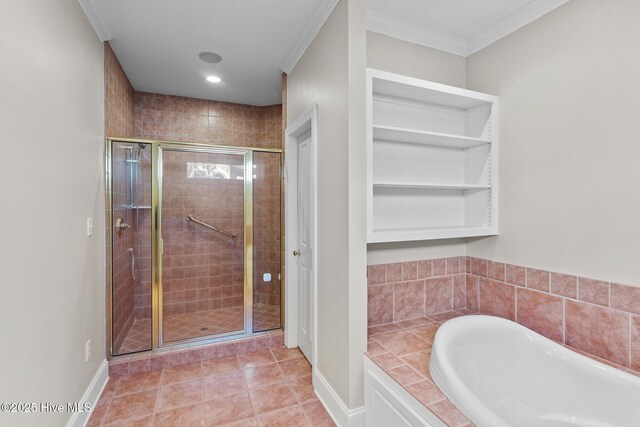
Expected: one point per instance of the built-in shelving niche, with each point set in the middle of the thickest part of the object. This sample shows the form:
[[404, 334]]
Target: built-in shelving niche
[[431, 159]]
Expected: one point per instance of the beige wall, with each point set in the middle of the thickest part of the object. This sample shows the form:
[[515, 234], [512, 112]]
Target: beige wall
[[357, 200], [570, 97], [323, 77], [410, 59], [52, 285], [397, 56]]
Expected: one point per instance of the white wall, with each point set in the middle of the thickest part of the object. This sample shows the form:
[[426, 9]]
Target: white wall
[[398, 56], [570, 131], [51, 179]]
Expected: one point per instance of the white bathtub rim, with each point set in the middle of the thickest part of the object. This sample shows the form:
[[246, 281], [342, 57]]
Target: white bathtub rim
[[465, 400]]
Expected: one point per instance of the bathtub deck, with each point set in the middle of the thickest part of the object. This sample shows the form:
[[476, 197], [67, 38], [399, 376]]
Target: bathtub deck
[[403, 351]]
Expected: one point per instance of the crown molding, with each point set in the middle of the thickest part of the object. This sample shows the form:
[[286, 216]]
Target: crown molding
[[524, 16], [311, 31], [96, 17], [418, 34], [413, 33]]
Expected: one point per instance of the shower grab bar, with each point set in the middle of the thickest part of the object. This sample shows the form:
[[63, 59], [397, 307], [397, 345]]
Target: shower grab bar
[[226, 233]]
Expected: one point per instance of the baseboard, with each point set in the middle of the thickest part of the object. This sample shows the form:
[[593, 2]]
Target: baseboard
[[341, 414], [91, 395]]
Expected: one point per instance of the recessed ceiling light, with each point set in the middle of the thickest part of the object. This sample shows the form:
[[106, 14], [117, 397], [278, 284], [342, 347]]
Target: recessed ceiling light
[[214, 79], [211, 57]]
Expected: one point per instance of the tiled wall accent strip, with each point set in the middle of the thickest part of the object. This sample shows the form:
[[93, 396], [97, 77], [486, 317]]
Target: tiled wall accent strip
[[594, 316]]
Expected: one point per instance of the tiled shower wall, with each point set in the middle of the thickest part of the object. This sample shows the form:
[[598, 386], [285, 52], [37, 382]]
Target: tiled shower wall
[[118, 121], [174, 118], [123, 284], [177, 118], [202, 269], [118, 112], [150, 116], [266, 223], [597, 317]]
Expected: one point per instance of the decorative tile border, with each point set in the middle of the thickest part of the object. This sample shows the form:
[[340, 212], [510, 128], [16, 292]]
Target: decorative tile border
[[594, 316]]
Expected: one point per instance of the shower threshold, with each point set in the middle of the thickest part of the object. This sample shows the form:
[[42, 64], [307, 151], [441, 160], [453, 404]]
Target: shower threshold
[[205, 323]]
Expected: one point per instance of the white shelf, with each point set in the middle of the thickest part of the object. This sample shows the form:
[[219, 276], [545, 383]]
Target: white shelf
[[430, 186], [432, 160], [409, 88], [410, 136], [408, 234]]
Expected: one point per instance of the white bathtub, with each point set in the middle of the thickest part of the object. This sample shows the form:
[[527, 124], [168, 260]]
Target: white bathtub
[[500, 373]]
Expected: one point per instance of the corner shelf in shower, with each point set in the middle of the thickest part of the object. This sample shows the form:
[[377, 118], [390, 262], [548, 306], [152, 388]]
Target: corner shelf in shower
[[431, 160]]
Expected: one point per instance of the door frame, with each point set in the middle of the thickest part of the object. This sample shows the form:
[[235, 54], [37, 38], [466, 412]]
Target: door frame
[[307, 121]]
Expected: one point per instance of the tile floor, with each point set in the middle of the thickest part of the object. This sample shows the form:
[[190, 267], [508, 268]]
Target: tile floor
[[261, 388], [200, 323]]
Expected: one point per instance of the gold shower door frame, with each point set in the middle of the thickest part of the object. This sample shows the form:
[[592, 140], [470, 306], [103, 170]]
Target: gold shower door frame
[[158, 147]]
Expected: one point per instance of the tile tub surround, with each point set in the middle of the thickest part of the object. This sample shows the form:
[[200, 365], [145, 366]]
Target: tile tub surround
[[403, 351], [593, 316], [262, 387], [409, 290]]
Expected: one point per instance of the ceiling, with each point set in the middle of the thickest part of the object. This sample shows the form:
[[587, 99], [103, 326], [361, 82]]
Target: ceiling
[[461, 27], [158, 41]]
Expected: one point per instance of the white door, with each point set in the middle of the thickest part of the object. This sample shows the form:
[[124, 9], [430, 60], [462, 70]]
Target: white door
[[304, 256]]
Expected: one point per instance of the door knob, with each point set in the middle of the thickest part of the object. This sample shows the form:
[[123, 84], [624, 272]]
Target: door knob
[[296, 252]]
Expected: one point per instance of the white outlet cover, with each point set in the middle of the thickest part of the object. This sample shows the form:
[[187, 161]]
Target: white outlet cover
[[89, 227], [266, 277]]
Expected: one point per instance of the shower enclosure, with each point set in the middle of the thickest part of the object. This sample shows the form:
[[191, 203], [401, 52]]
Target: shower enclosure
[[195, 243]]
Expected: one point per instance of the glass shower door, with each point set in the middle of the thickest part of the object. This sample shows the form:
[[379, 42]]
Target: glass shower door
[[202, 205], [267, 239], [130, 227]]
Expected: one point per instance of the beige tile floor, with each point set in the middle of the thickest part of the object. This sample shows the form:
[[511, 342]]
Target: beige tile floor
[[261, 388], [198, 324]]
